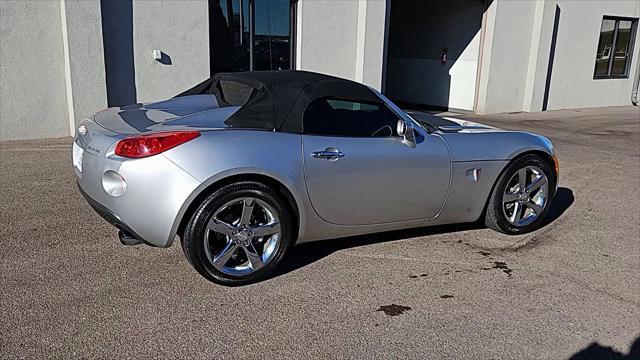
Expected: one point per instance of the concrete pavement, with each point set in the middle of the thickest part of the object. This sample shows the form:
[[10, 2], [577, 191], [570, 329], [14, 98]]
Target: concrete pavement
[[69, 289]]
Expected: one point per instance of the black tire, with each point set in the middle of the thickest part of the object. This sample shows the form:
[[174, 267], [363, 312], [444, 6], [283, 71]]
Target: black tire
[[495, 218], [193, 240]]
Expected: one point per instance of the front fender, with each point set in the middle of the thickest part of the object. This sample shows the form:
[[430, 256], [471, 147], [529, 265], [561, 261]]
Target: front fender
[[490, 151], [495, 145]]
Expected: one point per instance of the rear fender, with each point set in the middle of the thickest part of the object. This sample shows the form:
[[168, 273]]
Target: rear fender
[[217, 180], [220, 154]]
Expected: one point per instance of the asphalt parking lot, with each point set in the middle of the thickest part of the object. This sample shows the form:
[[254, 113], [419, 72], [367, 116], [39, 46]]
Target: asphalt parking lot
[[69, 289]]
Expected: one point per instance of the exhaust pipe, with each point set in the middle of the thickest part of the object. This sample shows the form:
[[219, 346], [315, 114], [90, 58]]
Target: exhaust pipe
[[128, 239]]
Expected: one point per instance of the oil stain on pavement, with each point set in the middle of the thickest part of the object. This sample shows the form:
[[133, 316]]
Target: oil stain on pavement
[[502, 266], [393, 309]]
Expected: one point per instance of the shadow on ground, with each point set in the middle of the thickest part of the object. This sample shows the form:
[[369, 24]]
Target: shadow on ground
[[305, 254], [561, 202], [596, 351]]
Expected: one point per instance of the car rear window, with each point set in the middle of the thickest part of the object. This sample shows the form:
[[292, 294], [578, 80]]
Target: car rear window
[[233, 93]]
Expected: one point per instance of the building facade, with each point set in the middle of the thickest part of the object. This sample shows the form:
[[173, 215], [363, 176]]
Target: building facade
[[63, 60]]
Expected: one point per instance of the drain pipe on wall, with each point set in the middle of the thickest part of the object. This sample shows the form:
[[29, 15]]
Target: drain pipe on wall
[[636, 84]]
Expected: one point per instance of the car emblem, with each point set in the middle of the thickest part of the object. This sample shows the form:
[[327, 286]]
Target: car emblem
[[82, 129]]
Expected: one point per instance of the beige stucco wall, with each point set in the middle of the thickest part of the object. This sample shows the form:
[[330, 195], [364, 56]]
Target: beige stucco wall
[[33, 102], [572, 83], [52, 60], [85, 72], [342, 38], [52, 57], [506, 55], [179, 28], [516, 56]]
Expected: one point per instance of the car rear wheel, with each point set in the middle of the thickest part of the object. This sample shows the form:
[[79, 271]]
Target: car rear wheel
[[239, 234], [520, 200]]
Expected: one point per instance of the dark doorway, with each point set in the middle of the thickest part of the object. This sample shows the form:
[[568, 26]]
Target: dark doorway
[[433, 50], [251, 35]]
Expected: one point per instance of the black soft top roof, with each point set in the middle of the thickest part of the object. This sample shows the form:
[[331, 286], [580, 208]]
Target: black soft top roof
[[276, 100]]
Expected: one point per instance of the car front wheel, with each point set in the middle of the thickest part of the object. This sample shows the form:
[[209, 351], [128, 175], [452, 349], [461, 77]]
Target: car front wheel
[[239, 234], [521, 198]]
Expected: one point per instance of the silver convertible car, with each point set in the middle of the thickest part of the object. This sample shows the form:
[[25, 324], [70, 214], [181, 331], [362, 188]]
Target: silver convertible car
[[244, 165]]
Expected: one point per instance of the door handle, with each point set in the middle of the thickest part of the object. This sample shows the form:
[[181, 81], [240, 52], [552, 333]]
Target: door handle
[[329, 154]]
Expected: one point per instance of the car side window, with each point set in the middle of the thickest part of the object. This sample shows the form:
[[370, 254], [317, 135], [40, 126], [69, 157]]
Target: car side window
[[352, 118]]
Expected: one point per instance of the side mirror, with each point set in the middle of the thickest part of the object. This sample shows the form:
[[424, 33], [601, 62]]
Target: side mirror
[[405, 130]]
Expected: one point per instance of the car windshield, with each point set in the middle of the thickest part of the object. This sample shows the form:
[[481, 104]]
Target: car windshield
[[423, 124], [401, 112]]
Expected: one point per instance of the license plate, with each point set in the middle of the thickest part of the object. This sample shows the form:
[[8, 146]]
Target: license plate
[[78, 153]]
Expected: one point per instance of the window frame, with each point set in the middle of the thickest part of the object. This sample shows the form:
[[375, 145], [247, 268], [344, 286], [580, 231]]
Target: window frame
[[632, 38], [382, 104]]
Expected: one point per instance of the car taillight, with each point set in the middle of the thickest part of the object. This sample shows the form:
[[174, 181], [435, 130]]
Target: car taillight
[[152, 144]]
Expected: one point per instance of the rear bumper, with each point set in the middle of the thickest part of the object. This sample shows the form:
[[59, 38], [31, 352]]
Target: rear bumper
[[109, 216], [156, 189]]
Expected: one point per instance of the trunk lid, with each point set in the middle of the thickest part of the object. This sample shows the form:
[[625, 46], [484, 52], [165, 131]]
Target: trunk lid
[[195, 112]]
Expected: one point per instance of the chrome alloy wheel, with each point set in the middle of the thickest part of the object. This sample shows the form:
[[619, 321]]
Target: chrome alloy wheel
[[525, 196], [242, 236]]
